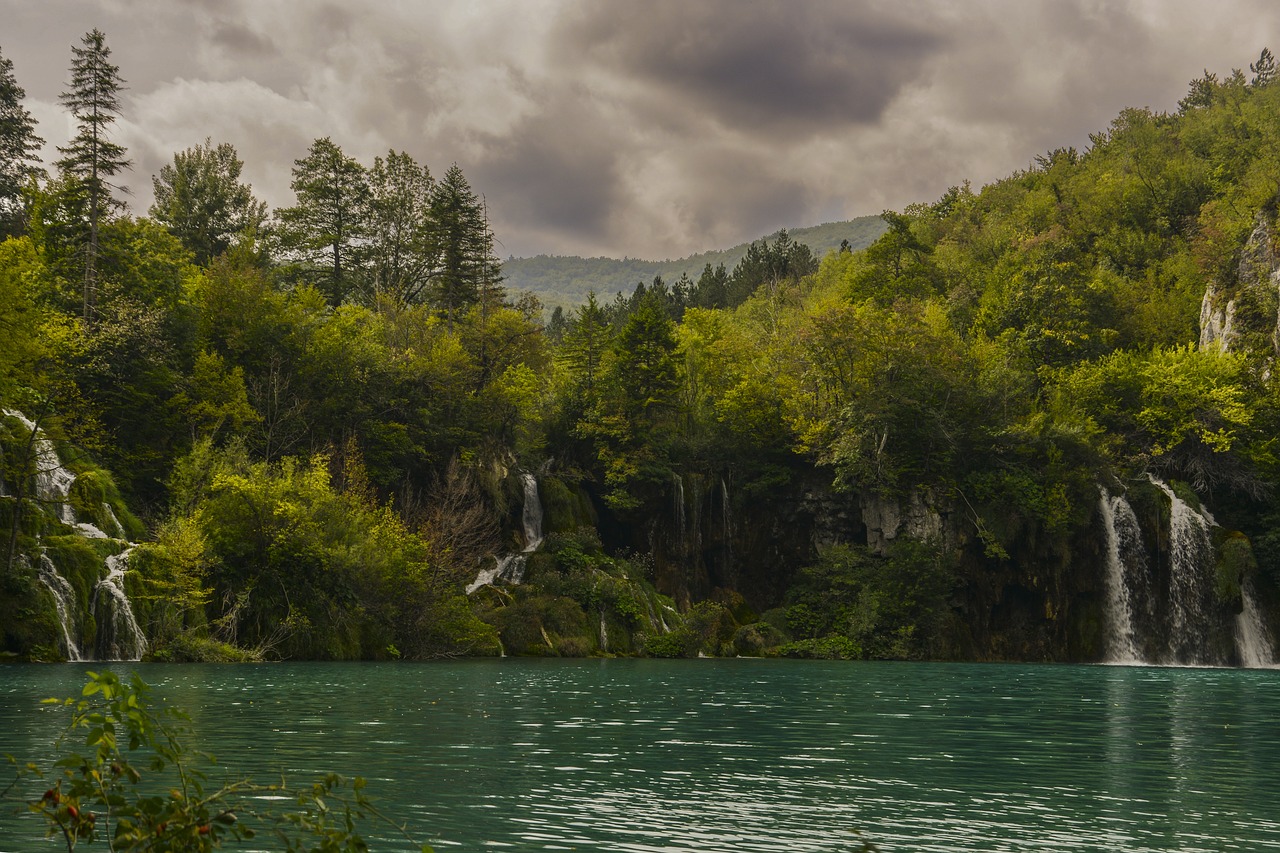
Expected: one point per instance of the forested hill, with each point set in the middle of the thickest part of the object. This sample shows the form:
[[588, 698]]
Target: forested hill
[[1032, 421], [565, 280]]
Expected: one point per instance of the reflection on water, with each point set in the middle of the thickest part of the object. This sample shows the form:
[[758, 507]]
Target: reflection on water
[[744, 755]]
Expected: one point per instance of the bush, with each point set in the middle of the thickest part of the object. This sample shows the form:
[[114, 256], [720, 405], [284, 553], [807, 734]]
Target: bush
[[138, 785]]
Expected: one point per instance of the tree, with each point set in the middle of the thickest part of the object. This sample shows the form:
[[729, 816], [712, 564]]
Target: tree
[[93, 97], [18, 147], [322, 230], [633, 420], [403, 252], [712, 288], [468, 270], [202, 202], [1264, 70], [586, 341]]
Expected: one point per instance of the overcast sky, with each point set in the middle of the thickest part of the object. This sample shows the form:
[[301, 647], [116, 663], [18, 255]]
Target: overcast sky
[[630, 127]]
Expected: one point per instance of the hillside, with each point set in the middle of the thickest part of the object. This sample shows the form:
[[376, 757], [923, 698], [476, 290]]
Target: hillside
[[566, 280]]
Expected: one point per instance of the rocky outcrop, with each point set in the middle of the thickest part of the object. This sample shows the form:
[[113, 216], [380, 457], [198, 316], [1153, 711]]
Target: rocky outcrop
[[1217, 319], [923, 516], [1245, 314]]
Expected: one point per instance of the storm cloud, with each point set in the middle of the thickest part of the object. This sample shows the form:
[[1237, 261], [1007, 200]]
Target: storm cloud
[[644, 129]]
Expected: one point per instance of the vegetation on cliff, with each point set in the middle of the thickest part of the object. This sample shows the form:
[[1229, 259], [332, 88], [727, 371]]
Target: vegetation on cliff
[[317, 415]]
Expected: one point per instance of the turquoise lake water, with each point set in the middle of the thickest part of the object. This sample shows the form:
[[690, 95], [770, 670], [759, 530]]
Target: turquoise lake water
[[739, 755]]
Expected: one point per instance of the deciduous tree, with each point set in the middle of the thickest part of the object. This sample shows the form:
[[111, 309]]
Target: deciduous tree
[[200, 199]]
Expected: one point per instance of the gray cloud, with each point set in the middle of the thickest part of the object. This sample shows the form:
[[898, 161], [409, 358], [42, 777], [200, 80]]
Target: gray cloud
[[645, 129], [782, 67]]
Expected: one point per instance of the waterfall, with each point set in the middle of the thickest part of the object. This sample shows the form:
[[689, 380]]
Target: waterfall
[[1126, 566], [604, 634], [726, 526], [1252, 640], [532, 514], [119, 637], [509, 568], [677, 495], [1190, 590], [64, 602], [110, 515], [53, 481]]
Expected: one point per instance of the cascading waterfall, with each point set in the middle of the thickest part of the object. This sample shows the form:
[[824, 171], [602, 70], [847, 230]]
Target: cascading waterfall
[[1181, 621], [64, 602], [509, 568], [1190, 590], [53, 481], [119, 637], [115, 522], [694, 545], [1126, 562], [726, 526], [1252, 639]]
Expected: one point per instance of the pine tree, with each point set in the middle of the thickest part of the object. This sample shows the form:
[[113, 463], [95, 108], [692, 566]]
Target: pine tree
[[1264, 70], [330, 218], [93, 97], [468, 272], [585, 342], [18, 147]]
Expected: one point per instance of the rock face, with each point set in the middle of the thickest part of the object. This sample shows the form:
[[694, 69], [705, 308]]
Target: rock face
[[1245, 314], [1217, 319]]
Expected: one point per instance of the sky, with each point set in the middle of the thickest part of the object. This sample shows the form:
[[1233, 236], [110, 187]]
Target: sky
[[649, 129]]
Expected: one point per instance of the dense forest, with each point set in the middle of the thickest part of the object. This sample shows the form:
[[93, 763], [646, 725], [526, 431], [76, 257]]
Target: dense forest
[[329, 430]]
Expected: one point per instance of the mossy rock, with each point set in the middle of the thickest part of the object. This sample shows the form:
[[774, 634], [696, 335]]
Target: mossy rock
[[756, 639], [1235, 563], [565, 507]]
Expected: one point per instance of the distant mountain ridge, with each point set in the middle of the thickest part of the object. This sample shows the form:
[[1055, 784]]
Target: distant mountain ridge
[[566, 279]]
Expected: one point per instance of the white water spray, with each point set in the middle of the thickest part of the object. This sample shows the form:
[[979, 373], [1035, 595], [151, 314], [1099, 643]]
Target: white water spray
[[119, 637], [509, 568], [64, 603], [1253, 641], [1125, 557]]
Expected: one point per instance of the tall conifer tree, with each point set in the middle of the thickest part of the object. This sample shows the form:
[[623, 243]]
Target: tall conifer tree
[[93, 97], [468, 271], [18, 147]]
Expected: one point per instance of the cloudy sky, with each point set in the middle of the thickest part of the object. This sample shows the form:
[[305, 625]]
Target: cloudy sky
[[650, 129]]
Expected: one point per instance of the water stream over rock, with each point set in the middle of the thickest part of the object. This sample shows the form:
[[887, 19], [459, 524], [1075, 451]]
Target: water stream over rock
[[119, 636], [1182, 619], [509, 568]]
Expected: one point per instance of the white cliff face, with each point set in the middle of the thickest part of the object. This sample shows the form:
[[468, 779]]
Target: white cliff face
[[921, 518], [1257, 285], [1217, 323]]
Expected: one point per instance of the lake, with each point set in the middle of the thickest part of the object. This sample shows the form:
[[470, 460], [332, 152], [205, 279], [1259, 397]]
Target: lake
[[740, 755]]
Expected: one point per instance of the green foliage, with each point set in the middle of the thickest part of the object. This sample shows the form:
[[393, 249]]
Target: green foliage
[[321, 231], [854, 604], [291, 566], [128, 776], [1235, 566], [200, 199], [19, 150]]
